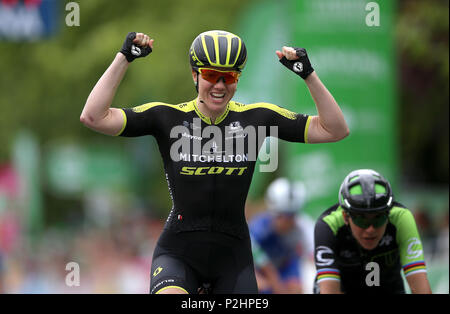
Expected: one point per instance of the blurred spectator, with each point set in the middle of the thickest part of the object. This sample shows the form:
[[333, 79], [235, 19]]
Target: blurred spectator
[[281, 239], [442, 241], [427, 229]]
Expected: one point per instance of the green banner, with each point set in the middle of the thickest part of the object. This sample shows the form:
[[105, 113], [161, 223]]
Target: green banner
[[350, 44]]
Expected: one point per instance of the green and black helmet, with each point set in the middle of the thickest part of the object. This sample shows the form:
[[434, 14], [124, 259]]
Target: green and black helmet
[[218, 49], [365, 191]]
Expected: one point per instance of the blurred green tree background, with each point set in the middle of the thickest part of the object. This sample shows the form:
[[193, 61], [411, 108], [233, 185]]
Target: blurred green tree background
[[422, 41], [44, 84]]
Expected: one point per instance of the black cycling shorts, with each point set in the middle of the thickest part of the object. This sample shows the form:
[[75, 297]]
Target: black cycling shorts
[[189, 260]]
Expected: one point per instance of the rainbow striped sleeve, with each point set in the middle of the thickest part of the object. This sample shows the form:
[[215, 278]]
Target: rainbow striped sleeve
[[414, 268], [410, 246], [328, 274]]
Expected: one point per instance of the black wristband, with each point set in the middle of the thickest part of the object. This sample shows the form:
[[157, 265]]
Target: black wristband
[[301, 66], [132, 51]]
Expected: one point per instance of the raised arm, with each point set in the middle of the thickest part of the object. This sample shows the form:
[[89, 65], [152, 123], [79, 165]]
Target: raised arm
[[329, 125], [97, 113]]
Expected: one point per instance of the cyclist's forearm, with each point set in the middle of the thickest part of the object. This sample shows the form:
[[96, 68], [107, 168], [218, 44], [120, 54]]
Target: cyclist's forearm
[[419, 284], [330, 287], [330, 114], [101, 96]]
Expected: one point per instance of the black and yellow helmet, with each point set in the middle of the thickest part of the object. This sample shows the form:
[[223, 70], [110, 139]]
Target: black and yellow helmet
[[218, 49]]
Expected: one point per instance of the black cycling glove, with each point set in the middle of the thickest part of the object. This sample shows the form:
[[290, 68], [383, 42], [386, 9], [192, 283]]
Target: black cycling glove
[[301, 66], [132, 51]]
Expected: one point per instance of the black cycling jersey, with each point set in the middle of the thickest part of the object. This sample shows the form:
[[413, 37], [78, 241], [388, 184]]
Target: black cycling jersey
[[210, 180], [338, 256]]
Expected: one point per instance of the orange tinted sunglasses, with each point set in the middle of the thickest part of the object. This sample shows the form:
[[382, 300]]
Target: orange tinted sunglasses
[[213, 75]]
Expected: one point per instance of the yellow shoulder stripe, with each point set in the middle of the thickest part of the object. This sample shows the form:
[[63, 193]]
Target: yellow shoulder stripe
[[185, 107], [284, 112], [305, 136], [123, 124]]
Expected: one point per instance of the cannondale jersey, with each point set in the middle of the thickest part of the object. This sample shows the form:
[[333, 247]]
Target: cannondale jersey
[[339, 257]]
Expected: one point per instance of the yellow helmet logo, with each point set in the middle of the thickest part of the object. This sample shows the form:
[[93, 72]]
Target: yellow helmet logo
[[157, 271]]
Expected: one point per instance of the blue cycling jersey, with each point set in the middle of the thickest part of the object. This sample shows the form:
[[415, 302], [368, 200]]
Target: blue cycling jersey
[[283, 250]]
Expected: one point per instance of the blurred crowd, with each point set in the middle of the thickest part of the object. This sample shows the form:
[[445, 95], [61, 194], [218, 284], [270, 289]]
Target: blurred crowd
[[116, 258], [112, 259], [434, 232]]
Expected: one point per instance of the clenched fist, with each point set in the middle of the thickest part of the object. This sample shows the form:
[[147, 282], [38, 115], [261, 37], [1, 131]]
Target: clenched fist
[[296, 59], [136, 45]]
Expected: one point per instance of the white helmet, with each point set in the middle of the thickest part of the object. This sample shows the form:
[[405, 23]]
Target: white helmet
[[286, 197]]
